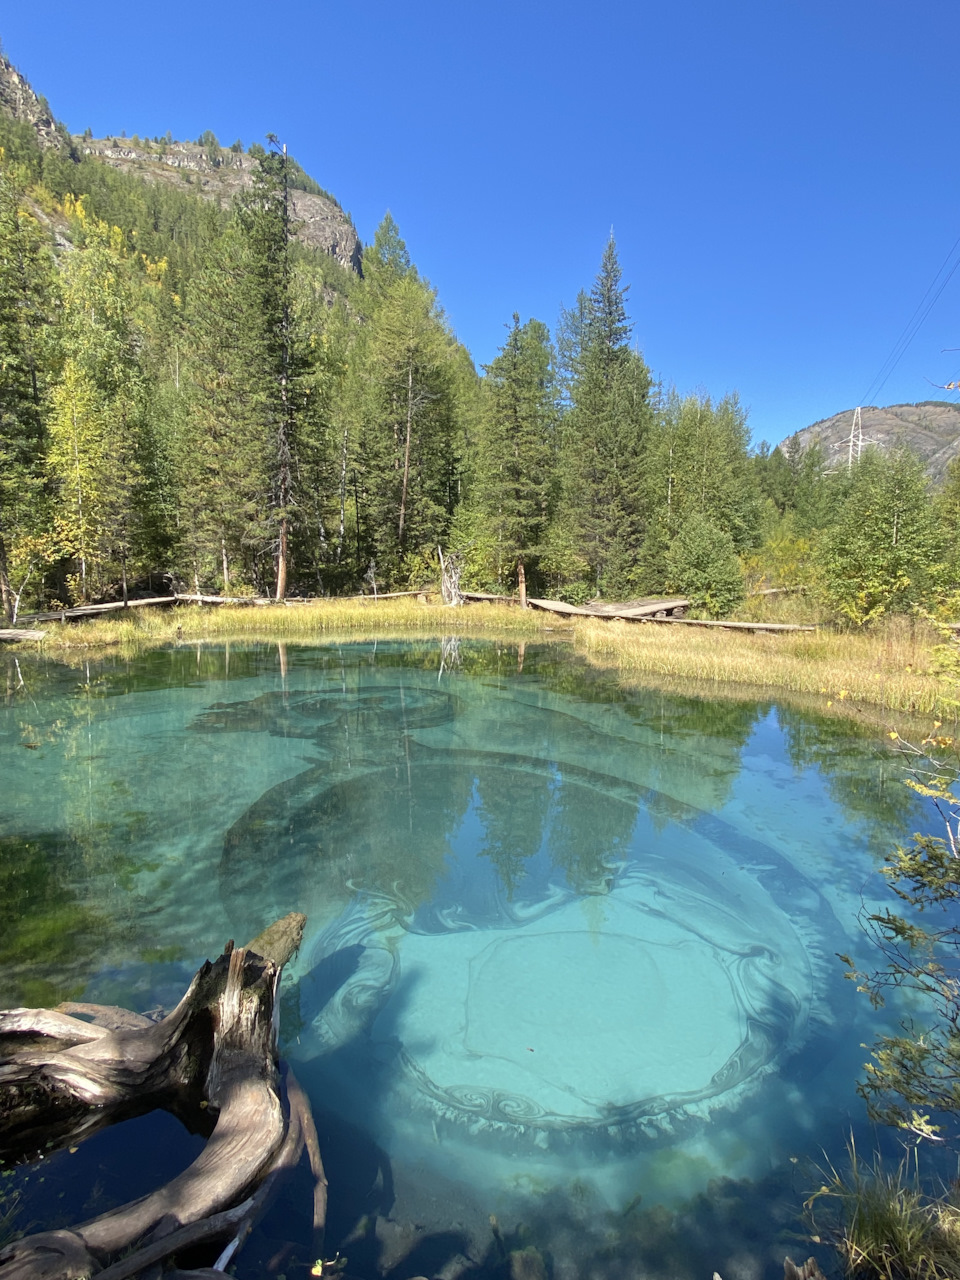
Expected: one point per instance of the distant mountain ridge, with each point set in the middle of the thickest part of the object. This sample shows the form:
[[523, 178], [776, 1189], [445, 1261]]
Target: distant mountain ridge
[[213, 172], [931, 429]]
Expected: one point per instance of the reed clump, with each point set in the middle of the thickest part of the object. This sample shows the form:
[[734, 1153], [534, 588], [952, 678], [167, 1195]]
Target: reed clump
[[884, 1226]]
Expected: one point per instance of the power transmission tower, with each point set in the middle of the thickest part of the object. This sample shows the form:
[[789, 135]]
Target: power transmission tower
[[856, 430]]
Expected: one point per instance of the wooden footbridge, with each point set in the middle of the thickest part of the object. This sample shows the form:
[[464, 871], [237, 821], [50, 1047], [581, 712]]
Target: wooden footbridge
[[652, 609]]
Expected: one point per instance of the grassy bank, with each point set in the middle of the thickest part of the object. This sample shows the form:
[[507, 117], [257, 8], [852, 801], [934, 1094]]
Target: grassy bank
[[299, 622], [887, 668]]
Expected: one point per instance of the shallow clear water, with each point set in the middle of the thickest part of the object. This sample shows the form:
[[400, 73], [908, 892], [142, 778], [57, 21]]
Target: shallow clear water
[[571, 951]]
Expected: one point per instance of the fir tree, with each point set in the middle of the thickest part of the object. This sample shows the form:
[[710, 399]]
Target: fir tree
[[516, 451], [27, 290], [602, 441]]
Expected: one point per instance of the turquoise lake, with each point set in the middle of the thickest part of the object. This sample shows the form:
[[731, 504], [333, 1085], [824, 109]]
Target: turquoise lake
[[571, 951]]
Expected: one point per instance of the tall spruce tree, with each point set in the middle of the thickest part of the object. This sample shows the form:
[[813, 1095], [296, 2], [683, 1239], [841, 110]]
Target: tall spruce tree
[[408, 448], [264, 217], [223, 451], [516, 452], [601, 508], [27, 290]]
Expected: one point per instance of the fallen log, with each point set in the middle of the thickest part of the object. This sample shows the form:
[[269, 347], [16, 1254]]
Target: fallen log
[[15, 633], [214, 1058], [737, 626], [92, 610]]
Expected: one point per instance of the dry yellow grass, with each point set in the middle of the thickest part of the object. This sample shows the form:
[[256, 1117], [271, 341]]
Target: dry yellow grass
[[887, 668], [318, 620]]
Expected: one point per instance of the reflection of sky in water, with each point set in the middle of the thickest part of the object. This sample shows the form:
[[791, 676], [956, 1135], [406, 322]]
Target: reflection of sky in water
[[565, 944]]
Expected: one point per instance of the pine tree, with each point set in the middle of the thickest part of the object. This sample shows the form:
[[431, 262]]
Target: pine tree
[[408, 450], [387, 259], [265, 219], [697, 460], [222, 453], [703, 565]]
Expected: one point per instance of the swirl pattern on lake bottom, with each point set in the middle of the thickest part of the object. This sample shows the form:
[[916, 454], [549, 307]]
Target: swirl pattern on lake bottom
[[554, 1008]]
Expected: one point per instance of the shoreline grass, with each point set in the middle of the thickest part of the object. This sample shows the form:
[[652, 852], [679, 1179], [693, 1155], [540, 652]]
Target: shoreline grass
[[887, 668]]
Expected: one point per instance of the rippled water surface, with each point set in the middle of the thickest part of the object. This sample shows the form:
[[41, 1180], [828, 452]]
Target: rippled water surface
[[571, 950]]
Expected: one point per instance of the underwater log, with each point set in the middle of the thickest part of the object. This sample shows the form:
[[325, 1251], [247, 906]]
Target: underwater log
[[212, 1061]]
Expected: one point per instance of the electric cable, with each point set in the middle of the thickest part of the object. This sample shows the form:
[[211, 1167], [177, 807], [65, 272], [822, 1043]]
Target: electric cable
[[914, 324]]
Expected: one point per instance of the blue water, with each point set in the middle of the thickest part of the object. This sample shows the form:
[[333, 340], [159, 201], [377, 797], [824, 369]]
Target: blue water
[[571, 950]]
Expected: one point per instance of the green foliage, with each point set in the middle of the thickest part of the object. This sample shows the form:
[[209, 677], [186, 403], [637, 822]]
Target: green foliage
[[913, 1081], [602, 439], [702, 564], [884, 553], [28, 290], [515, 452]]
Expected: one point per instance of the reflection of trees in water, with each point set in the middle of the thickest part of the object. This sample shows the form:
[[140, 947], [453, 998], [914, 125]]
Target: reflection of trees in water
[[513, 807], [369, 711], [587, 838], [382, 833], [862, 777], [51, 940]]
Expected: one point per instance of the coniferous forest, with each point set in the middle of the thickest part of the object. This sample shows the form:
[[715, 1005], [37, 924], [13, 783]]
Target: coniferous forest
[[192, 397]]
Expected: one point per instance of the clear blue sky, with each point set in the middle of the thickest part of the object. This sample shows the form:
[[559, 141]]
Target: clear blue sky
[[782, 176]]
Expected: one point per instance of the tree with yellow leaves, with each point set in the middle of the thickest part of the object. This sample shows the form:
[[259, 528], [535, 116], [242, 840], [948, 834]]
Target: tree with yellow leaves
[[96, 427]]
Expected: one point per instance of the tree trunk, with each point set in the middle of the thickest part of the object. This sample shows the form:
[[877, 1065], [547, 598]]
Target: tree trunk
[[522, 584], [406, 455], [214, 1057], [282, 560], [6, 594]]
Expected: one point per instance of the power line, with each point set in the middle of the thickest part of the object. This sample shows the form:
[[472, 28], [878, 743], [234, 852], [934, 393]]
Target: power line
[[914, 324]]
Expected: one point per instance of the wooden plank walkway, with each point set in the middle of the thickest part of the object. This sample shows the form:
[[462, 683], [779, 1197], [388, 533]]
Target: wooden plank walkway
[[15, 633], [91, 610], [630, 611], [732, 625], [651, 609]]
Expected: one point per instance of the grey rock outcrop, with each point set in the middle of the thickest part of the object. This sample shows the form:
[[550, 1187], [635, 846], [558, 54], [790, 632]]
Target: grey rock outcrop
[[317, 219], [18, 99]]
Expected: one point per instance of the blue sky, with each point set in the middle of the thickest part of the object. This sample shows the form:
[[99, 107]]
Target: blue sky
[[781, 175]]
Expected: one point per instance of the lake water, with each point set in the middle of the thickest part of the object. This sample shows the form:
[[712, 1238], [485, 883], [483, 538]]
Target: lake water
[[570, 958]]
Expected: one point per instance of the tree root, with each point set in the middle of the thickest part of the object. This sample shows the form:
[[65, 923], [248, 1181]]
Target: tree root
[[213, 1058]]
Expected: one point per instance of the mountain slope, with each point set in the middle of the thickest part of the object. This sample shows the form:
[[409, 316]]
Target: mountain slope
[[930, 429], [203, 168]]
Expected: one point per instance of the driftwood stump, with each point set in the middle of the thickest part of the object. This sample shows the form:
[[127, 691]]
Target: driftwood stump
[[213, 1060]]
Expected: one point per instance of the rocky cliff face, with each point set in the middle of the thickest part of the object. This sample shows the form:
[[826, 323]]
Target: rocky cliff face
[[318, 220], [211, 172], [931, 429], [17, 99]]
